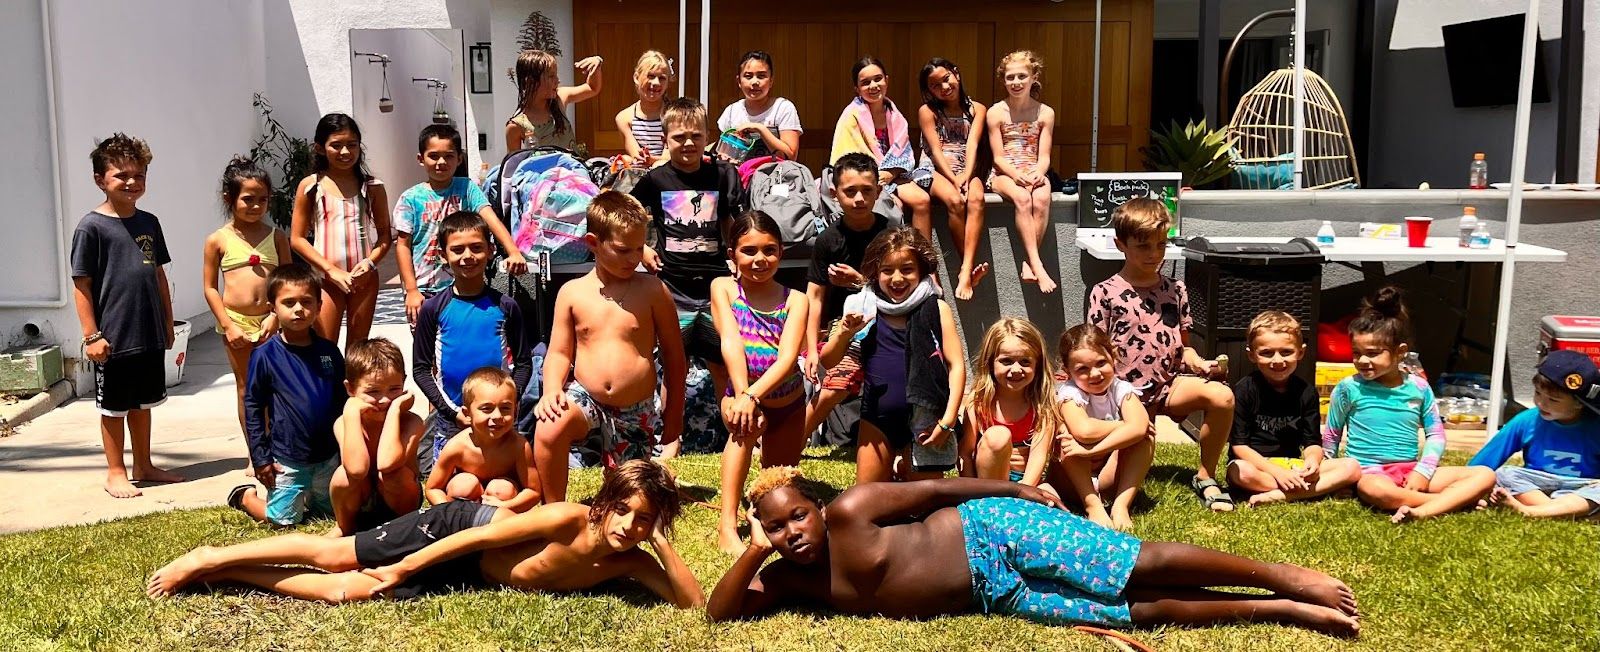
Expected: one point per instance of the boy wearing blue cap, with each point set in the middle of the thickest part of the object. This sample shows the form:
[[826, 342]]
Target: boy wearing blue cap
[[1559, 442]]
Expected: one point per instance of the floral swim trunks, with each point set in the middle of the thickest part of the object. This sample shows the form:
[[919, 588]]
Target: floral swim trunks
[[1045, 564], [627, 433]]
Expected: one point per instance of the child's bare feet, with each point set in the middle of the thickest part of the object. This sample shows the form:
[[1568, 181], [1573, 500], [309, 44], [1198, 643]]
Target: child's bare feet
[[1121, 520], [1267, 498], [1027, 274], [1097, 513], [1046, 284], [1318, 588], [1322, 619], [1404, 515], [729, 542], [153, 474], [118, 486], [969, 278], [172, 577], [1504, 498]]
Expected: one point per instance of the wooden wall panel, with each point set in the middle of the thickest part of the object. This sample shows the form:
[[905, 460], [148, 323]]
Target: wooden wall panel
[[813, 59]]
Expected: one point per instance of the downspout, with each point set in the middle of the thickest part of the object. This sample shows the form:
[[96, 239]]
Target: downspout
[[1094, 118], [63, 285]]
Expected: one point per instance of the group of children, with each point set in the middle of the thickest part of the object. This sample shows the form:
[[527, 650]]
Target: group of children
[[966, 148], [333, 431]]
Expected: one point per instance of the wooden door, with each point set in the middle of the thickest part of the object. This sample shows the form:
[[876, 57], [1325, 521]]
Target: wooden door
[[813, 51]]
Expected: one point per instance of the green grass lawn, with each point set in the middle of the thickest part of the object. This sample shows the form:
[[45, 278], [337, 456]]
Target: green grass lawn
[[1484, 581]]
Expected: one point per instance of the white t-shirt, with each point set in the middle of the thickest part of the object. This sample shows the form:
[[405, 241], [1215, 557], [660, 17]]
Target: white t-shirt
[[1105, 407], [779, 117]]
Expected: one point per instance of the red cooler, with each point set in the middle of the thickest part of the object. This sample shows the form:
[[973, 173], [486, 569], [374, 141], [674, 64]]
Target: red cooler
[[1571, 333]]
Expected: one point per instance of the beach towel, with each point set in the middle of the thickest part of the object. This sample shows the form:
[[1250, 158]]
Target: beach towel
[[854, 133]]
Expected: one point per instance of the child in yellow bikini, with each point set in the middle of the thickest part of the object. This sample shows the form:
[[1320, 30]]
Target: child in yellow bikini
[[241, 254]]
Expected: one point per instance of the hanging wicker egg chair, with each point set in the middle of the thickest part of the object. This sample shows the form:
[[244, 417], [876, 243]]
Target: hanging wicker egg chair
[[1262, 129]]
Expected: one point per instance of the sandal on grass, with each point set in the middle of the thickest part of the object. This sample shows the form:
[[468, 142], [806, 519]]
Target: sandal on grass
[[236, 496], [1211, 502]]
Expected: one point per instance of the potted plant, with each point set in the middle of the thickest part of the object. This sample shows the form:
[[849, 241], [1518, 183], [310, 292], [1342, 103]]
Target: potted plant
[[276, 151], [1202, 155]]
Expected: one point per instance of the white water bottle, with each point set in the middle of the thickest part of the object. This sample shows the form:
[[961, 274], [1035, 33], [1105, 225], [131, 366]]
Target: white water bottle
[[1469, 226], [1325, 234]]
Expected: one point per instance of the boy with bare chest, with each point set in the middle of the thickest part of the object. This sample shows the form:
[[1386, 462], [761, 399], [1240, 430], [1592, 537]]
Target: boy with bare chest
[[599, 373], [964, 545], [488, 462], [560, 547]]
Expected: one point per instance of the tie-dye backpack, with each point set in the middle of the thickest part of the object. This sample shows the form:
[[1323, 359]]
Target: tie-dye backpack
[[542, 194]]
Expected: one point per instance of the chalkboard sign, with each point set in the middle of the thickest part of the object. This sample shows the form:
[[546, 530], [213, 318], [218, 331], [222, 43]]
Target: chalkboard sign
[[1101, 193]]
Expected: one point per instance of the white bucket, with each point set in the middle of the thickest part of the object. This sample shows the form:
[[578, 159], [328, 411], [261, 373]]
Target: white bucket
[[177, 354]]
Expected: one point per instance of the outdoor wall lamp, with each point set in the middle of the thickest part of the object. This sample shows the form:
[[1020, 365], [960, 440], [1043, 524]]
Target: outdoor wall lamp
[[440, 116], [385, 103]]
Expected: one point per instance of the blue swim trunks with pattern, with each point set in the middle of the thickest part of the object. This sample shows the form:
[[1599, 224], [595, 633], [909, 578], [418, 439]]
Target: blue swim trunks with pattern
[[1045, 564]]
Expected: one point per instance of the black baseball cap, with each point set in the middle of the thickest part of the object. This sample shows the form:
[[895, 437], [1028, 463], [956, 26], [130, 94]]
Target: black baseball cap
[[1576, 373]]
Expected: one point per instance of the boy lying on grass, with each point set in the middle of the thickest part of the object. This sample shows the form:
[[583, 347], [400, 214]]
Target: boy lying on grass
[[555, 547], [959, 545]]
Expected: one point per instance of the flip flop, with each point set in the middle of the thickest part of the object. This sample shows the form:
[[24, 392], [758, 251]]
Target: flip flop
[[1222, 498], [236, 496]]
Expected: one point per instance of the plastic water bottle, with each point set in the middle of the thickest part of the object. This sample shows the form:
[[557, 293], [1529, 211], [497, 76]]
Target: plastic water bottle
[[1478, 176], [1325, 235], [1480, 236], [1469, 225]]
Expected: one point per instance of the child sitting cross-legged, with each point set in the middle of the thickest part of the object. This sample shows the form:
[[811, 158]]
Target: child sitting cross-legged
[[378, 439], [1559, 442], [489, 462], [1110, 442], [1277, 451], [1380, 410]]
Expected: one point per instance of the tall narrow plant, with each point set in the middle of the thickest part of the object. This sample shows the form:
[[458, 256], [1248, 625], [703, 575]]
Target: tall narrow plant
[[284, 156], [539, 33], [1203, 156]]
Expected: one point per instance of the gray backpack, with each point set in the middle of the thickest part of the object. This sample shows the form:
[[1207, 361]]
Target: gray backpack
[[786, 192]]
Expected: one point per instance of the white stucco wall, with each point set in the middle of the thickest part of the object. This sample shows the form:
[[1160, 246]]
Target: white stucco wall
[[180, 74], [32, 274], [505, 22], [391, 138], [144, 69], [316, 31]]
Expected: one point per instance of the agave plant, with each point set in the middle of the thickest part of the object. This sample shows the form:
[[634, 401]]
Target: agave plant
[[1203, 156]]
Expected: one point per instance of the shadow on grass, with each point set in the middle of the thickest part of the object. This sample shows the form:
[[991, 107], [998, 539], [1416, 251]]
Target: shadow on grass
[[835, 454]]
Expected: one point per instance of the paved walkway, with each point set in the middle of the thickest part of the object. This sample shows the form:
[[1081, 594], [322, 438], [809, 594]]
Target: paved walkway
[[53, 469]]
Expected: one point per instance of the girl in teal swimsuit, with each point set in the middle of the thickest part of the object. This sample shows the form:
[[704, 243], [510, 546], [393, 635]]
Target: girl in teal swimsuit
[[761, 325]]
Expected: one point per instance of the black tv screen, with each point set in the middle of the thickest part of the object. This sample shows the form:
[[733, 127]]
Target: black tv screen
[[1484, 59]]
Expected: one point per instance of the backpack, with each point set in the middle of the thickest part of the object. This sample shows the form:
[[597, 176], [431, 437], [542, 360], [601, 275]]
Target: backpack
[[785, 191], [888, 205], [542, 194]]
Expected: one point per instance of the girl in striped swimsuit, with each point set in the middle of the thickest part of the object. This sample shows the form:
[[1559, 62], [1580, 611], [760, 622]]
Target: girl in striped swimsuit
[[762, 325], [341, 228], [640, 122]]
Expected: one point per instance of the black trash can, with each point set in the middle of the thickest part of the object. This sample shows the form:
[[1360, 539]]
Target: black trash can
[[1230, 283]]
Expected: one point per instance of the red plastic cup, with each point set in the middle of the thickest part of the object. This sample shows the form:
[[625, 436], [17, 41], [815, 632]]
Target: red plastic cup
[[1417, 230]]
